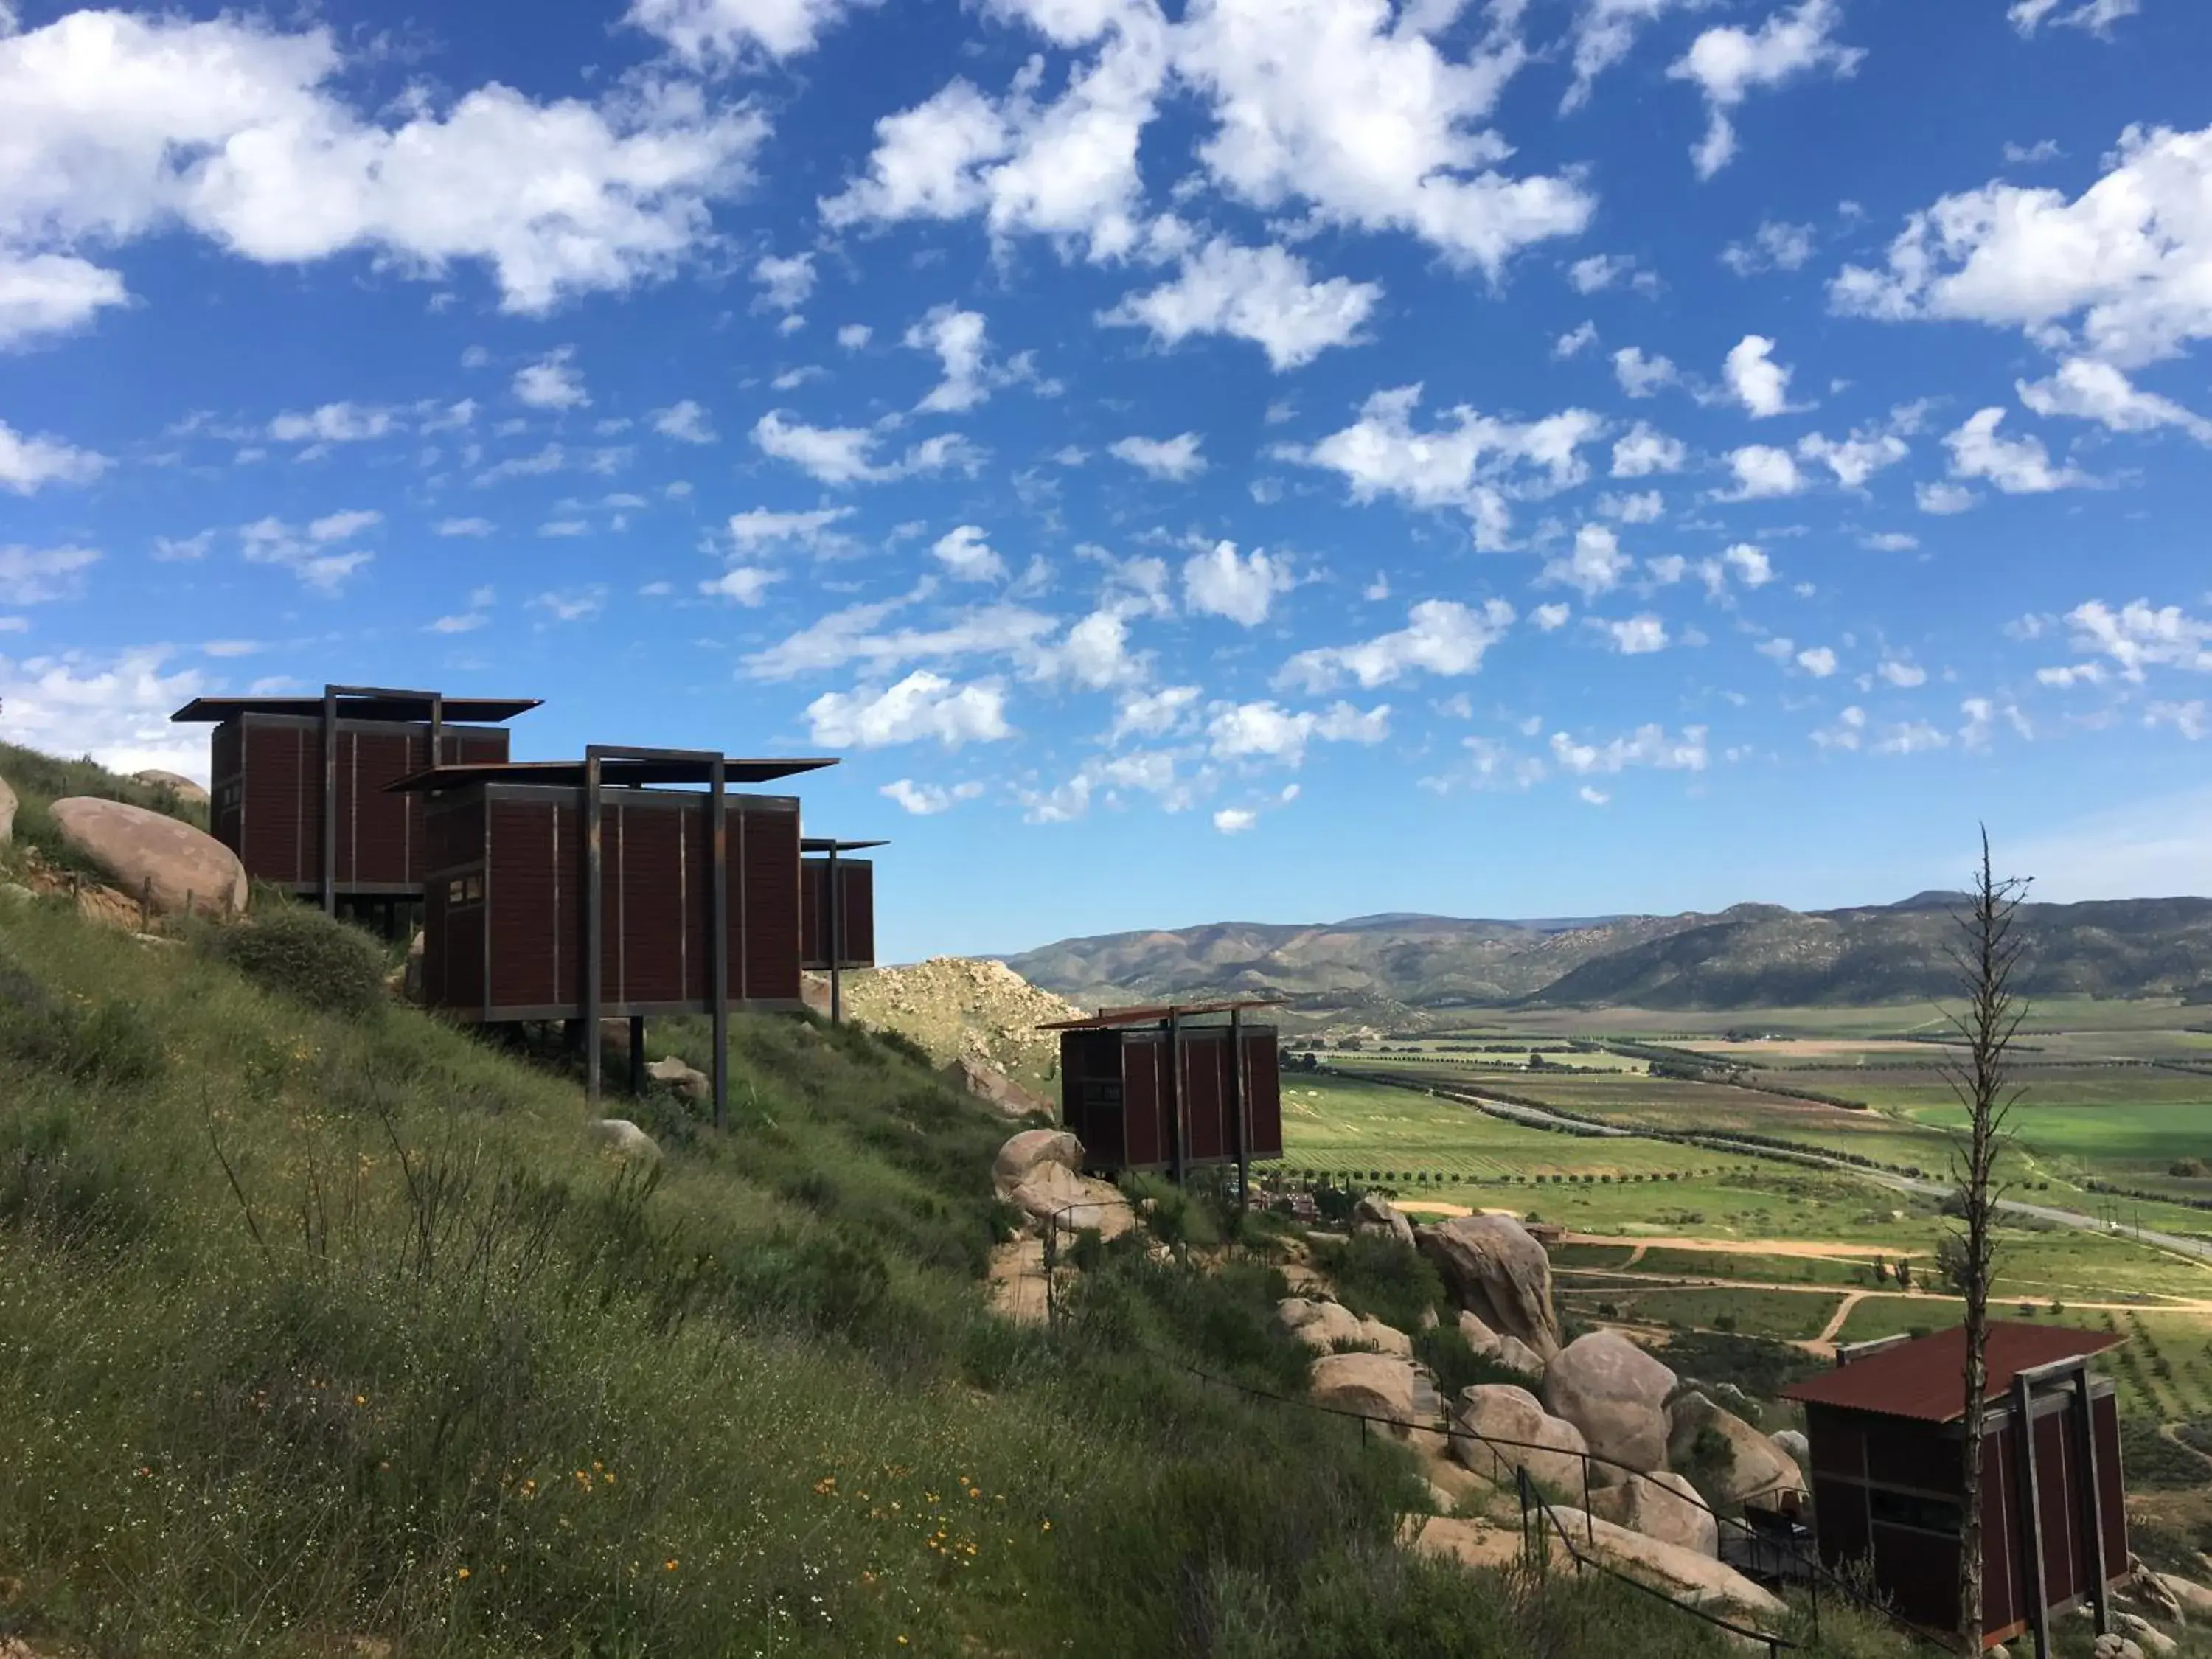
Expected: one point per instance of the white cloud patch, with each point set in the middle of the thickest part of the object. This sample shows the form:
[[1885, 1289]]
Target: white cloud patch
[[44, 296], [1647, 746], [1755, 380], [332, 423], [2097, 16], [1772, 246], [1593, 566], [1441, 636], [1905, 676], [1221, 583], [309, 554], [2017, 466], [1263, 294], [1763, 473], [1153, 714], [114, 708], [1856, 458], [741, 584], [1600, 272], [1644, 450], [1234, 820], [1550, 618], [1575, 341], [856, 633], [1643, 375], [2137, 636], [927, 799], [968, 556], [552, 382], [36, 575], [1175, 458], [1818, 661], [719, 32], [846, 455], [2087, 390], [686, 422], [919, 708], [958, 339], [28, 464], [785, 281], [1265, 730], [1944, 499], [762, 527], [2189, 719], [1728, 63], [1637, 636], [179, 549], [1604, 32]]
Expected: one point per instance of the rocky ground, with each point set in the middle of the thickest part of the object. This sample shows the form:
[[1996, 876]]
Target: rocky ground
[[957, 1008]]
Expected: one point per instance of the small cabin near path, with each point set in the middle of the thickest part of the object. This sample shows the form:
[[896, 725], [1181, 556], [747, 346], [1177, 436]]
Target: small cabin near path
[[1170, 1087], [1884, 1429], [300, 785], [836, 911]]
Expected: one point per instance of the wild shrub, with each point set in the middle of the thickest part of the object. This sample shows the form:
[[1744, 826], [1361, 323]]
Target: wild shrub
[[109, 1042], [63, 1188], [302, 954], [1379, 1278], [1448, 1353]]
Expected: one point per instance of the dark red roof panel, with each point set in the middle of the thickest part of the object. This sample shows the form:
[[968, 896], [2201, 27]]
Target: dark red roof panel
[[614, 771], [465, 711], [1107, 1018], [1926, 1379]]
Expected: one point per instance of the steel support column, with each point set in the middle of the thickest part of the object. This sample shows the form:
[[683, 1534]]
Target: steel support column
[[637, 1055], [1178, 1143], [836, 922], [1240, 1109], [330, 800], [594, 926], [718, 822], [2083, 1414], [2039, 1606]]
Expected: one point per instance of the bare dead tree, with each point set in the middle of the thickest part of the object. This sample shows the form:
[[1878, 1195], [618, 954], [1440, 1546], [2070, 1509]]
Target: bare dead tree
[[1986, 952]]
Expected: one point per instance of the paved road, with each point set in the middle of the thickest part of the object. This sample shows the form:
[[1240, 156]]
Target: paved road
[[2197, 1249]]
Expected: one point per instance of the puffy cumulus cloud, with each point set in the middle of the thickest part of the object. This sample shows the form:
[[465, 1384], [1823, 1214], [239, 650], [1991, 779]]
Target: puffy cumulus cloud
[[919, 708], [311, 554], [741, 584], [958, 339], [858, 634], [1754, 379], [1944, 499], [1635, 636], [967, 555], [114, 708], [1643, 450], [927, 799], [45, 295], [1265, 730], [1905, 675], [1264, 295], [1222, 582], [463, 527], [1856, 458], [1600, 271], [1762, 473], [785, 281], [552, 382], [1604, 31], [1176, 458], [845, 454], [1474, 462], [128, 125], [1644, 507], [1593, 566], [1095, 653], [2126, 257], [2088, 390], [1576, 340], [1729, 63], [2018, 466], [1441, 636], [719, 31], [1234, 820], [332, 423], [1750, 564], [38, 575], [1817, 661], [573, 605], [686, 422], [1550, 618], [2097, 16], [1772, 246], [762, 527], [2189, 719], [1153, 714], [1647, 746], [28, 464], [2138, 637], [1642, 375]]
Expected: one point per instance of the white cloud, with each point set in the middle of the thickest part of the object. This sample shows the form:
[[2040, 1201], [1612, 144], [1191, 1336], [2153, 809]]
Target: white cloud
[[1263, 294], [2137, 636], [552, 382], [28, 464], [1474, 463], [762, 527], [36, 575], [1890, 541], [970, 377], [1642, 376], [856, 634], [1752, 566], [2128, 255], [1638, 636], [853, 336], [926, 799], [2097, 16], [964, 553], [1645, 450], [1153, 714], [1095, 652], [785, 281], [1755, 380], [45, 295], [551, 458], [326, 572], [574, 604], [2018, 466], [1441, 636], [1550, 618], [1944, 498], [1176, 458], [183, 549], [1772, 246], [743, 584], [2043, 150], [1856, 458], [345, 526], [2088, 390], [1600, 272], [686, 422], [1763, 472], [1234, 820], [1647, 746], [1903, 675], [563, 528], [1818, 661], [1267, 731], [919, 708], [231, 129], [332, 423], [1221, 583], [115, 709], [1575, 341], [464, 527], [1592, 795], [720, 31], [1644, 507], [1593, 566], [271, 541], [1729, 61], [844, 455], [1604, 32], [2189, 719]]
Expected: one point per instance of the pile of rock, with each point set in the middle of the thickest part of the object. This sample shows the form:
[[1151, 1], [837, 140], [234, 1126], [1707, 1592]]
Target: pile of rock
[[158, 866], [1040, 1172]]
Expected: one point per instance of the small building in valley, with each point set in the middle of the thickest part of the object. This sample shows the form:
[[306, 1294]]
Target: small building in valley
[[1886, 1465]]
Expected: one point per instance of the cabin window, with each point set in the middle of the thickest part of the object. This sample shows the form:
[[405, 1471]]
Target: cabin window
[[1904, 1508], [227, 797], [464, 890]]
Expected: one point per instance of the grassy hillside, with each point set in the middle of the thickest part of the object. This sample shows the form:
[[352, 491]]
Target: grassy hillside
[[324, 1335], [40, 779]]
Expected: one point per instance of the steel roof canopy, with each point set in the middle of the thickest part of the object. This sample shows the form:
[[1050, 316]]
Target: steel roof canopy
[[825, 844], [1926, 1379], [623, 772], [1112, 1018], [362, 706]]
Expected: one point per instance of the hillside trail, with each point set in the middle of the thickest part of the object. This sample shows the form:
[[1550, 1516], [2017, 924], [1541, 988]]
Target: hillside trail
[[1789, 1246], [1621, 1279], [1852, 1299]]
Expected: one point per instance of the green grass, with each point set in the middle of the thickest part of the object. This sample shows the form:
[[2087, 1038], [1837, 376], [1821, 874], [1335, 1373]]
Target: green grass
[[1785, 1315], [1767, 1269], [41, 780]]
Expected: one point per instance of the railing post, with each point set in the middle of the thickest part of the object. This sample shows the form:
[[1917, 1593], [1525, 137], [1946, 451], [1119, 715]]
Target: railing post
[[1589, 1519]]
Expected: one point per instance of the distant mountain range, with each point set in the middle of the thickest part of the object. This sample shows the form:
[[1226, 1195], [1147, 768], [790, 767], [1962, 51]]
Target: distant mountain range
[[1401, 966]]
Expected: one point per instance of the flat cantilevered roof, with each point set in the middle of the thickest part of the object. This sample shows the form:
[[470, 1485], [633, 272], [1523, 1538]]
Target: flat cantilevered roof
[[624, 772], [1111, 1019], [378, 705], [824, 844], [1926, 1379]]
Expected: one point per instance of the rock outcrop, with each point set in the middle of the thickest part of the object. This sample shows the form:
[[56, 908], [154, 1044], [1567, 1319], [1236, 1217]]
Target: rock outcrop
[[1372, 1385], [682, 1079], [1664, 1506], [1726, 1459], [7, 804], [1039, 1172], [153, 858], [1495, 1271], [1497, 1428], [175, 782], [1616, 1394], [621, 1136], [1325, 1326], [985, 1082], [1379, 1217], [1686, 1574], [1793, 1445]]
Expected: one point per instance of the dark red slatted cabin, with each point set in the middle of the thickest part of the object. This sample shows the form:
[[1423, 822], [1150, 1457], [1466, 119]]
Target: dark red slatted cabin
[[505, 921], [1160, 1088], [855, 907], [272, 794], [1884, 1429]]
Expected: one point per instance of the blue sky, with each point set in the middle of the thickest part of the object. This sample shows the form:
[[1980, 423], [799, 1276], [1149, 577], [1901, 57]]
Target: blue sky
[[1276, 459]]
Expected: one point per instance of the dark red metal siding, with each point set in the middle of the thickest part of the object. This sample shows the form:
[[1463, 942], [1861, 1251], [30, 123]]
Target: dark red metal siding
[[1091, 1104], [2004, 1602], [453, 941], [533, 885], [763, 920], [1916, 1456], [1207, 1112], [856, 917], [644, 882], [1144, 1110], [1263, 1092], [2112, 1483], [376, 840], [279, 761], [695, 875]]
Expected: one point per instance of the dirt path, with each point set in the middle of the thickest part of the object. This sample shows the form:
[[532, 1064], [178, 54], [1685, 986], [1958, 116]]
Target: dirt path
[[1790, 1247], [1619, 1278], [1852, 1299], [1636, 1256]]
